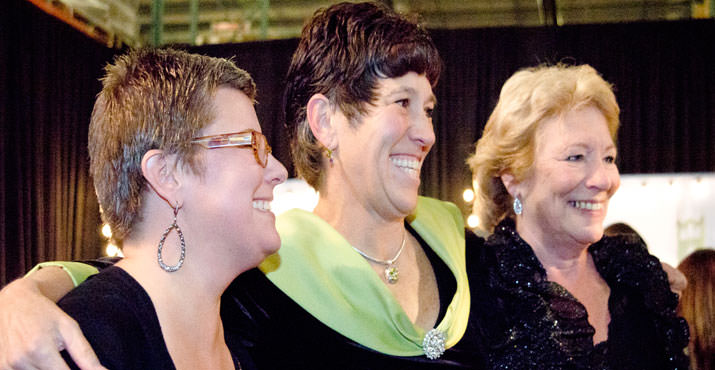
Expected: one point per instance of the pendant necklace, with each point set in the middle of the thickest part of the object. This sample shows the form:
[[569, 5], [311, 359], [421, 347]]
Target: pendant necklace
[[391, 272]]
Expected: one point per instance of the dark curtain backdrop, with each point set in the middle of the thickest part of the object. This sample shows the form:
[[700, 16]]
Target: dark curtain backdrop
[[664, 77], [663, 74], [48, 75]]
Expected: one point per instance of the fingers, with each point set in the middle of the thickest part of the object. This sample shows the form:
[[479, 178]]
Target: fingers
[[28, 352], [43, 357], [29, 328], [42, 352], [71, 338]]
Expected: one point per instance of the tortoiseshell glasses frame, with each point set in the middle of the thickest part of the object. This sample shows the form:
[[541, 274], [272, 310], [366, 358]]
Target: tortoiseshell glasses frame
[[256, 140]]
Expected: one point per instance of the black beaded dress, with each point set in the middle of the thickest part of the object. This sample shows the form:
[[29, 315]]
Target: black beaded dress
[[529, 322]]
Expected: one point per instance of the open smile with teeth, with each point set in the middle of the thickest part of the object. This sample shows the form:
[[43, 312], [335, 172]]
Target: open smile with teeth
[[591, 206], [262, 205], [411, 166]]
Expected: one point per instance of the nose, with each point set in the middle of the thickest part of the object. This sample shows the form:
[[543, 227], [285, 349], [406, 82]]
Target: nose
[[422, 132], [604, 176], [275, 173]]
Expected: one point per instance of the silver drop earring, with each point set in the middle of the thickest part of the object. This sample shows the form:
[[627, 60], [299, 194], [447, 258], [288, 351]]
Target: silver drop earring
[[174, 225], [518, 207]]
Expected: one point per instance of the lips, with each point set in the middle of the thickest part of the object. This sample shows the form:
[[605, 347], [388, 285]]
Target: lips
[[587, 205], [262, 205]]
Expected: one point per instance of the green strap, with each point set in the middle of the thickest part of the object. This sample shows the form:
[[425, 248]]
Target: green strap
[[77, 271]]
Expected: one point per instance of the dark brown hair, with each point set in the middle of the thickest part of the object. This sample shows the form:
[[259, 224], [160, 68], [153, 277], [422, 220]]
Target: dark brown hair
[[343, 51]]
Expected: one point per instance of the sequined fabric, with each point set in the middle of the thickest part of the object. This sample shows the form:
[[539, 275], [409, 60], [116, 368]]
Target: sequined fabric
[[537, 324]]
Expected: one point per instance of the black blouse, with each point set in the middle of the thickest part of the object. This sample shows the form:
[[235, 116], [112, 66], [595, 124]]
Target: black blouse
[[528, 322]]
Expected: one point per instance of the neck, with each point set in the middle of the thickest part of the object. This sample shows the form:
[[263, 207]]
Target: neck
[[377, 236], [555, 255], [173, 288], [187, 306]]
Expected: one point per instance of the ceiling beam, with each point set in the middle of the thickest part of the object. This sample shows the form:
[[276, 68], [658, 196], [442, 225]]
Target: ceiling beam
[[66, 15]]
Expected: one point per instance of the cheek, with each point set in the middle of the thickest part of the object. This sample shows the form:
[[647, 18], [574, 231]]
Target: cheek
[[234, 185], [396, 124], [554, 183], [566, 179], [616, 182]]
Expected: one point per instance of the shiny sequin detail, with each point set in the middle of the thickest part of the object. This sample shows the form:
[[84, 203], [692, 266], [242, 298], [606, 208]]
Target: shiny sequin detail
[[540, 325]]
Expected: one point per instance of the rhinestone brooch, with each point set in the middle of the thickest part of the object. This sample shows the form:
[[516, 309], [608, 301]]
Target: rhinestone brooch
[[433, 344]]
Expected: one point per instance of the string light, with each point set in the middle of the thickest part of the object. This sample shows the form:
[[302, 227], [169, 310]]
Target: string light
[[107, 231], [468, 195], [473, 221], [113, 251]]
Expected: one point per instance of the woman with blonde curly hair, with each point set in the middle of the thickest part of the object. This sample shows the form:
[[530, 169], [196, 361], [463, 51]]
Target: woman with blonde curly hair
[[563, 295]]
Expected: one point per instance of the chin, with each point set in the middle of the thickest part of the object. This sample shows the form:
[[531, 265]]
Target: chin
[[591, 236], [273, 246], [407, 205]]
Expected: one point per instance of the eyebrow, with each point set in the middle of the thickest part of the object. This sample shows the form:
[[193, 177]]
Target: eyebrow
[[409, 90], [586, 146]]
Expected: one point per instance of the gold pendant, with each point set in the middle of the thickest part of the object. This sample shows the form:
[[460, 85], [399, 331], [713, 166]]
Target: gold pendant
[[391, 274]]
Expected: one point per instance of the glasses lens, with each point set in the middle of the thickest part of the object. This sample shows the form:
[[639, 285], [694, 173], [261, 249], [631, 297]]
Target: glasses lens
[[261, 149]]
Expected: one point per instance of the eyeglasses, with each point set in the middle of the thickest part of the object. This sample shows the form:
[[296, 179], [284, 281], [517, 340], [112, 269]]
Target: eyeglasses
[[251, 138]]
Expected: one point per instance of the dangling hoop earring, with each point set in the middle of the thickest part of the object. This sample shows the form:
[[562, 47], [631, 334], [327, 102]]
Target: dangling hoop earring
[[178, 265], [518, 207]]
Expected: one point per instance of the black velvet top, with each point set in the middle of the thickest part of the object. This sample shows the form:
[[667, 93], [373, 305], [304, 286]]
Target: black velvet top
[[277, 333], [280, 334], [118, 319], [529, 322]]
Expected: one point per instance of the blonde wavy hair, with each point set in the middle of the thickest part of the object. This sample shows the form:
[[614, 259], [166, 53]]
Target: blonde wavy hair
[[529, 98]]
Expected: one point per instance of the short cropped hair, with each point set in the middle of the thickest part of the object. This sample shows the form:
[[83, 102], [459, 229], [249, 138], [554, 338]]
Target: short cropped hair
[[151, 99], [529, 98], [343, 52]]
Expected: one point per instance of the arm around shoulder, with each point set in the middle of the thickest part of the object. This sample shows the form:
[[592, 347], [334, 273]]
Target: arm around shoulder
[[33, 329]]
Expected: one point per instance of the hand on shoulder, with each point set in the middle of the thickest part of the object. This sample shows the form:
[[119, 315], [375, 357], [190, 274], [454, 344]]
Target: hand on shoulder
[[33, 330]]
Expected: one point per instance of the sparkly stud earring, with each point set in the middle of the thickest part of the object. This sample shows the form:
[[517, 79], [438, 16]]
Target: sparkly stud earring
[[518, 207]]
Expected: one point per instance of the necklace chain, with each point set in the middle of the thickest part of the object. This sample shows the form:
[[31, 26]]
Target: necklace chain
[[391, 272], [384, 262]]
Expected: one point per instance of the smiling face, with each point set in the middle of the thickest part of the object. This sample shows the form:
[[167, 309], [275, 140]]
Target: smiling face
[[381, 156], [574, 175], [229, 202]]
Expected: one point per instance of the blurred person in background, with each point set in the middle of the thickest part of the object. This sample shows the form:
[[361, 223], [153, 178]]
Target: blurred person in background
[[697, 305], [676, 279]]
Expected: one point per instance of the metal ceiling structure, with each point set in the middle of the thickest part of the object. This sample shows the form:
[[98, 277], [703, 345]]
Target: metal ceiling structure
[[161, 22]]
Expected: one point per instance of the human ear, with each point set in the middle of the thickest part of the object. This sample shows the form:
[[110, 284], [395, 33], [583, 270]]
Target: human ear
[[510, 183], [160, 172], [318, 113]]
